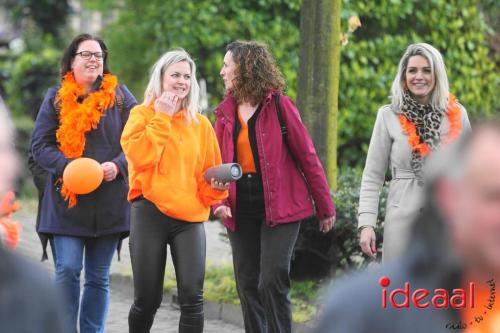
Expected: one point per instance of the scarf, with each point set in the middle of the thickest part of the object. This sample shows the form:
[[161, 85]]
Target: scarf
[[422, 123]]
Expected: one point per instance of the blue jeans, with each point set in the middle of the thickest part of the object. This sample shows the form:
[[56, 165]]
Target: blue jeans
[[69, 262]]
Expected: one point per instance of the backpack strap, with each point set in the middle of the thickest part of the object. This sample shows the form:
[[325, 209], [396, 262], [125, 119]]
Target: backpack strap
[[57, 106], [119, 98], [284, 129]]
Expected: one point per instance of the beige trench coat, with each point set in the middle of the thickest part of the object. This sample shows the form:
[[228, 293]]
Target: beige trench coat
[[389, 147]]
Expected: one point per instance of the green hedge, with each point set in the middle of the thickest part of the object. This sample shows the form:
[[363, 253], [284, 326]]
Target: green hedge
[[24, 127], [368, 65], [147, 29], [31, 75], [318, 255], [369, 62]]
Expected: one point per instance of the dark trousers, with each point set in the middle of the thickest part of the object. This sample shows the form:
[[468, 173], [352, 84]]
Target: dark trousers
[[261, 259], [150, 232]]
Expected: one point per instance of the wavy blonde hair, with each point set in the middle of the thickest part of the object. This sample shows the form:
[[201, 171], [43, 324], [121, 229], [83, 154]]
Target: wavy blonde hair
[[154, 88], [439, 95], [256, 72]]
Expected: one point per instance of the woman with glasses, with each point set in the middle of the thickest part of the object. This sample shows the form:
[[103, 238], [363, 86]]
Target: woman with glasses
[[83, 116]]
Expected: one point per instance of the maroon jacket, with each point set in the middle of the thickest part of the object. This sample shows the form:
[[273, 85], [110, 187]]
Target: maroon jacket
[[286, 194]]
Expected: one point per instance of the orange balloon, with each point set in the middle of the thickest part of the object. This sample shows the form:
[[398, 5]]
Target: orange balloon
[[83, 175]]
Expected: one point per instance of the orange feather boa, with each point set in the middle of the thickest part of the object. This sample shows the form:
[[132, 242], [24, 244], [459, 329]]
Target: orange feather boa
[[76, 119], [410, 129], [11, 229]]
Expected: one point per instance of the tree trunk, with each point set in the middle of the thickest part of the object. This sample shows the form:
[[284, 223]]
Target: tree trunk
[[318, 82]]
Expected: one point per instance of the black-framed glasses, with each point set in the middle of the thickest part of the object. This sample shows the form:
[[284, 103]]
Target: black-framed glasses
[[87, 55]]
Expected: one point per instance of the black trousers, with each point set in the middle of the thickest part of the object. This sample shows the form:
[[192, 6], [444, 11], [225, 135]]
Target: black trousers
[[150, 232], [261, 259]]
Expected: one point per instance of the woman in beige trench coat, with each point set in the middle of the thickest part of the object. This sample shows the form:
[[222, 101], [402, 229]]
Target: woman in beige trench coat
[[422, 117]]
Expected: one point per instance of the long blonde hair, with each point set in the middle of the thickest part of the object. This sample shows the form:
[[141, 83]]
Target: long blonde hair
[[439, 95], [154, 88]]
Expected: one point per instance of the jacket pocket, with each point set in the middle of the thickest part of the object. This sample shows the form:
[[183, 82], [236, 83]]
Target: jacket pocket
[[400, 192]]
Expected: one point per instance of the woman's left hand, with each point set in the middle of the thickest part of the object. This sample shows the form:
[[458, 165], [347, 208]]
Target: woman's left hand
[[110, 171], [219, 186], [325, 225]]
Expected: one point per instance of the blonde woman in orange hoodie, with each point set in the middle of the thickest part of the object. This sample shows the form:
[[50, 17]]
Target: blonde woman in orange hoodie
[[169, 145]]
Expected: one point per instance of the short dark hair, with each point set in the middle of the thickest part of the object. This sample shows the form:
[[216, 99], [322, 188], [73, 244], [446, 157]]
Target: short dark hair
[[69, 53]]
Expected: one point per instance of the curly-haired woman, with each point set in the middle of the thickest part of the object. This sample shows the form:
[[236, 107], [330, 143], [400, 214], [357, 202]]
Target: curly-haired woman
[[265, 207]]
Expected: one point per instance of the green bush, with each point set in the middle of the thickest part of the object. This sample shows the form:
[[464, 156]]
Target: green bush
[[24, 127], [369, 62], [220, 286], [5, 68], [304, 296], [203, 28], [318, 255], [31, 75]]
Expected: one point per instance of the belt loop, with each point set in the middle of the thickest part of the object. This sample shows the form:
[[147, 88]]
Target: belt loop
[[403, 174]]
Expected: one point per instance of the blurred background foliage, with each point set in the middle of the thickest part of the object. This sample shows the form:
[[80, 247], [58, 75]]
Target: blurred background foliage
[[137, 32], [146, 29]]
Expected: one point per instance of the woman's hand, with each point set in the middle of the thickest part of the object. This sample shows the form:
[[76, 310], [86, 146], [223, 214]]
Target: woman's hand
[[167, 103], [326, 224], [219, 186], [110, 171], [223, 212], [367, 241]]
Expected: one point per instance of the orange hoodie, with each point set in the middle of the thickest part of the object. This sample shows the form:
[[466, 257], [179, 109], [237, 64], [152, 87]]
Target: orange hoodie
[[167, 158]]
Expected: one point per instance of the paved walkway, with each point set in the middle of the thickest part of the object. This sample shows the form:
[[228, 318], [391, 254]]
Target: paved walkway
[[166, 320], [218, 251]]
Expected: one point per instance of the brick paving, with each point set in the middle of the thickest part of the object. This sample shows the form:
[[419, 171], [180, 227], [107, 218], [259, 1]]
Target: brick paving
[[218, 251]]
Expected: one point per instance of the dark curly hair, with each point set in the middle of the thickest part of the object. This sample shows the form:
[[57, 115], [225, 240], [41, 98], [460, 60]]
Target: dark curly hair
[[69, 53], [256, 72]]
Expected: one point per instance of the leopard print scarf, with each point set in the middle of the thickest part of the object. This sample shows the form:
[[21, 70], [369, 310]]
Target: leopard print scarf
[[427, 121]]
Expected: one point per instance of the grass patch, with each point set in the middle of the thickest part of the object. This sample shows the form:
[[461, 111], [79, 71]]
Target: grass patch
[[169, 283], [303, 296], [220, 287]]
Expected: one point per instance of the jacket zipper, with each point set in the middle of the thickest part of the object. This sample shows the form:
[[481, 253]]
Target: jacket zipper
[[226, 121], [257, 126]]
